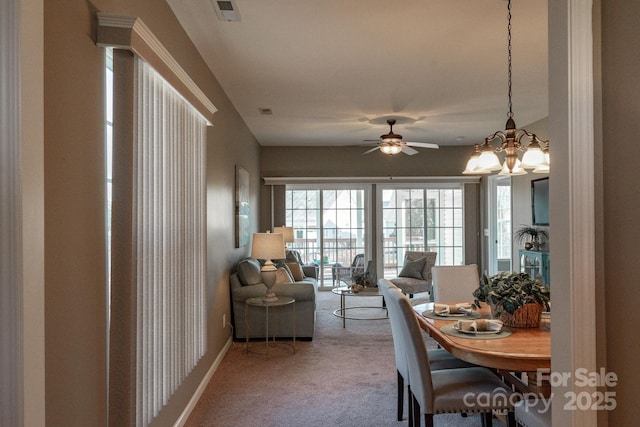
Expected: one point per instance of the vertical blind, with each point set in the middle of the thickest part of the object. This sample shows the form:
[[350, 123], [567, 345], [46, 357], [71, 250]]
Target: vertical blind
[[169, 210]]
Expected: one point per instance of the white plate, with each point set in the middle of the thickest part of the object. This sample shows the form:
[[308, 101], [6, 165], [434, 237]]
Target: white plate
[[476, 333]]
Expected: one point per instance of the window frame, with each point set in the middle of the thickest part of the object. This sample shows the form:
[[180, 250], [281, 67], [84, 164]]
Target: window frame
[[424, 186]]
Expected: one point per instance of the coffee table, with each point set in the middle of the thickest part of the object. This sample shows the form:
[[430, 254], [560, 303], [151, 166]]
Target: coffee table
[[345, 291]]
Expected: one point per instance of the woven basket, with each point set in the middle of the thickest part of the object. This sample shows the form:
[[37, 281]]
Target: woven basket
[[527, 316]]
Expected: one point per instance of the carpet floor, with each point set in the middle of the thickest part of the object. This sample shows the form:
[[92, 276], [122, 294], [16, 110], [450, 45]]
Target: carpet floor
[[344, 377]]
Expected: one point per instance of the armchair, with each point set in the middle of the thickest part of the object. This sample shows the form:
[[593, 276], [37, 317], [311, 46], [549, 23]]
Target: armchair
[[415, 276]]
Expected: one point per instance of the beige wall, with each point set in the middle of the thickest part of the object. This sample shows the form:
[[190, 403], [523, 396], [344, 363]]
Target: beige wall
[[521, 193], [75, 270], [621, 202], [349, 162]]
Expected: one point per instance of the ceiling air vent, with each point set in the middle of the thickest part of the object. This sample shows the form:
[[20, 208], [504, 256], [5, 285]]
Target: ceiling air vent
[[226, 10], [265, 111]]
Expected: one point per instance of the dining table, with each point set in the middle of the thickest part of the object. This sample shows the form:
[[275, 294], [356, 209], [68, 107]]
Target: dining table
[[518, 356]]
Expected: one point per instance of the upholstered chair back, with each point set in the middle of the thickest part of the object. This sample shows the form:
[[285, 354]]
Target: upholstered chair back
[[454, 283], [414, 345]]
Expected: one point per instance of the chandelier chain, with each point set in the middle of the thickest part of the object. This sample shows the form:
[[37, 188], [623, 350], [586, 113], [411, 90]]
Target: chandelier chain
[[510, 114]]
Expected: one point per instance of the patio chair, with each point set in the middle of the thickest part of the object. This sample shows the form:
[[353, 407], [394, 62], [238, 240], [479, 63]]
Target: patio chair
[[346, 273]]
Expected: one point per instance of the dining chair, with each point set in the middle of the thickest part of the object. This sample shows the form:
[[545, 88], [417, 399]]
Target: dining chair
[[454, 283], [532, 414], [438, 358], [461, 390]]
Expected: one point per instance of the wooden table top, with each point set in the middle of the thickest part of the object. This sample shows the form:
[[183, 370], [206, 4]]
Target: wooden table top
[[525, 350]]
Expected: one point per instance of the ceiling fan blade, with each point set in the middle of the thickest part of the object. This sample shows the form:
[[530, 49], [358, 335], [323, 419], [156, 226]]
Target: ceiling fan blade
[[371, 150], [408, 150], [371, 140], [423, 144]]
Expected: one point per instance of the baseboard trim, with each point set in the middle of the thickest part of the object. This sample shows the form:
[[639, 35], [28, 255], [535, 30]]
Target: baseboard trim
[[182, 419]]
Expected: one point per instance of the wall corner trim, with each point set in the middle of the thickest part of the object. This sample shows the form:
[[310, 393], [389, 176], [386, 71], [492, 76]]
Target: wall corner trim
[[130, 33]]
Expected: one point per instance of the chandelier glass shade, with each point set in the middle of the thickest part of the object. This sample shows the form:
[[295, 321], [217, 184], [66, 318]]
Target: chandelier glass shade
[[485, 160]]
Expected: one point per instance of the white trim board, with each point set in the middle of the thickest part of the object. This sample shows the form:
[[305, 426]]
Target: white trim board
[[182, 419]]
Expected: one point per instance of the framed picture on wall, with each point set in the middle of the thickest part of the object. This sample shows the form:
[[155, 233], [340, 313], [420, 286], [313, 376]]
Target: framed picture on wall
[[540, 201], [242, 207]]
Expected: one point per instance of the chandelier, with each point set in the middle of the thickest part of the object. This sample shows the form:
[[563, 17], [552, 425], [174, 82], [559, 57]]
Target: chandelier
[[484, 158]]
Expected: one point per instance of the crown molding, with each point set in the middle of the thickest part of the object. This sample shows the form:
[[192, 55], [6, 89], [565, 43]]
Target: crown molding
[[130, 33]]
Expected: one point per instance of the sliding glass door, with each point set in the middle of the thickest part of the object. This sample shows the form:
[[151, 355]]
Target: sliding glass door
[[331, 225], [420, 218]]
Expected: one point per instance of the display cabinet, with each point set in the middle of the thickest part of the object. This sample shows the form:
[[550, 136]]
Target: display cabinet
[[536, 264]]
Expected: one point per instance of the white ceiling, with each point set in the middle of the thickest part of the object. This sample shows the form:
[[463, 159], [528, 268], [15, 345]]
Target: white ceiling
[[333, 71]]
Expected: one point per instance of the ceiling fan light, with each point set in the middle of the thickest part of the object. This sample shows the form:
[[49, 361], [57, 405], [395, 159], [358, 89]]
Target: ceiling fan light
[[390, 149], [391, 141]]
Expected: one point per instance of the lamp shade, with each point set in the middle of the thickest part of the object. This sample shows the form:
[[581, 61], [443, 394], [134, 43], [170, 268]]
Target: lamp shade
[[287, 233], [267, 246]]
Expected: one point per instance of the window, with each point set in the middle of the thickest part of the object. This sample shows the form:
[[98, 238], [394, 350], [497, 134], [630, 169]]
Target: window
[[108, 156], [421, 219], [503, 205], [156, 231]]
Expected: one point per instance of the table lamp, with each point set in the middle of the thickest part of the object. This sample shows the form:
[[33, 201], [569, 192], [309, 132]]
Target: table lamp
[[268, 246], [287, 234]]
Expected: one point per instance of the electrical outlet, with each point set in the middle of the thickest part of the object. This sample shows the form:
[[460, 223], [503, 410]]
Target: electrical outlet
[[224, 320]]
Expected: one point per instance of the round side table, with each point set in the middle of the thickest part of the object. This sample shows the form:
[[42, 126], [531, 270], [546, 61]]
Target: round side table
[[258, 302]]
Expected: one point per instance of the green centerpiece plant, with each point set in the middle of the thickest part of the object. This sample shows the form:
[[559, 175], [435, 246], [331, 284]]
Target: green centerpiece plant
[[515, 298]]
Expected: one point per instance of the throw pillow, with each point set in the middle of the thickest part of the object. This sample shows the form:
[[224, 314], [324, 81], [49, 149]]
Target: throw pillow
[[294, 256], [281, 263], [296, 271], [282, 276], [413, 269], [249, 272]]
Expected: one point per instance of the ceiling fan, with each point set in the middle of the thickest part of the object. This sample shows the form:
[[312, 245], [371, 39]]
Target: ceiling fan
[[392, 143]]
